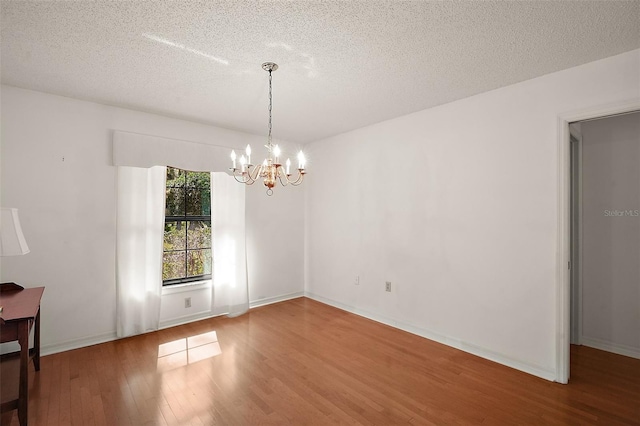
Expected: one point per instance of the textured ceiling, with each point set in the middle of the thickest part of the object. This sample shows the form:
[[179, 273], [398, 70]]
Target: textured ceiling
[[343, 65]]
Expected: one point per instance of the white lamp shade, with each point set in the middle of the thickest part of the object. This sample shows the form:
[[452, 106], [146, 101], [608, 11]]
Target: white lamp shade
[[12, 242]]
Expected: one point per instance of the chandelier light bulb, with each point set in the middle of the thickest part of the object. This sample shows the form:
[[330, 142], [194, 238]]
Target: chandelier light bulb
[[301, 160], [233, 158], [288, 167], [248, 154], [243, 161], [276, 152]]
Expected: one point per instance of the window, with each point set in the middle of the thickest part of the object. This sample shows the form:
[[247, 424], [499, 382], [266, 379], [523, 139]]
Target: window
[[187, 227]]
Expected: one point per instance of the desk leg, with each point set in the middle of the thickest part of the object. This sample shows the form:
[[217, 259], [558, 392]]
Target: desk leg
[[36, 342], [23, 396]]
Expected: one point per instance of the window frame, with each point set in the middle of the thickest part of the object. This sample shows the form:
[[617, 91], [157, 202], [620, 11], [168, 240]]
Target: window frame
[[186, 279]]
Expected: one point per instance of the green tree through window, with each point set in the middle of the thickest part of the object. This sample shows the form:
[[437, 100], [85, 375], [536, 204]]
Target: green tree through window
[[187, 227]]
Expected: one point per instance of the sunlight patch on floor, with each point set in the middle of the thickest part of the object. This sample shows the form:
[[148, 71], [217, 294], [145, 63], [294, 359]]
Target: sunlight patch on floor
[[189, 350]]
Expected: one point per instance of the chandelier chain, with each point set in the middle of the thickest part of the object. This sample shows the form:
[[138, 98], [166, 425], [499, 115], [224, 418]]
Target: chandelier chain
[[270, 107]]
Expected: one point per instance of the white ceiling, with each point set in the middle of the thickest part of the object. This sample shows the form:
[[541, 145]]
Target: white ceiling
[[343, 65]]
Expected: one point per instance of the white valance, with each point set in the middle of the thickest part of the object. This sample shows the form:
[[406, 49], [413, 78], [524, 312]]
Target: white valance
[[138, 150]]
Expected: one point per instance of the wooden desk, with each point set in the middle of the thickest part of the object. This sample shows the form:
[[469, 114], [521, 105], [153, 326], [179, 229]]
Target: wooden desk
[[20, 311]]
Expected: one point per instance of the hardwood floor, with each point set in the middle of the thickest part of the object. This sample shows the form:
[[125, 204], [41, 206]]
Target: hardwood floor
[[302, 362]]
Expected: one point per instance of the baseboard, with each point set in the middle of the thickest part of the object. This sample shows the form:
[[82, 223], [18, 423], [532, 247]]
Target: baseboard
[[275, 299], [72, 344], [611, 347], [446, 340], [185, 319], [108, 337]]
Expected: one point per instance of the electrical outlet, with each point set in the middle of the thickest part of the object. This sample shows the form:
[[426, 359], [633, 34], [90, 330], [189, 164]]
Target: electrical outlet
[[387, 286], [357, 281], [187, 302]]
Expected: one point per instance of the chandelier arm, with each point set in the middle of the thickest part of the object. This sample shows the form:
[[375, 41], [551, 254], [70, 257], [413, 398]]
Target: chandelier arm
[[248, 179], [253, 177], [281, 175], [240, 176], [235, 176], [292, 181], [286, 178], [245, 177], [261, 172], [298, 180], [255, 174]]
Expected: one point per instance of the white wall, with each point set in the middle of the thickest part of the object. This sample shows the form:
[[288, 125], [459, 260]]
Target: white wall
[[457, 206], [56, 159], [611, 234]]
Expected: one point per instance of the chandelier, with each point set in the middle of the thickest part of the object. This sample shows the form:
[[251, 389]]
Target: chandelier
[[271, 170]]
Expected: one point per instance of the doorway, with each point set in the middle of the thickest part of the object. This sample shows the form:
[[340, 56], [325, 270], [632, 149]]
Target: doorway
[[563, 245], [604, 273]]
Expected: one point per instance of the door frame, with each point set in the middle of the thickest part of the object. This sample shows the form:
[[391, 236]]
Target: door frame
[[563, 249], [575, 280]]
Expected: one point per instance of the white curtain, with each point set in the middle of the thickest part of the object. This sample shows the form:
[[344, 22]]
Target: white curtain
[[139, 245], [230, 287]]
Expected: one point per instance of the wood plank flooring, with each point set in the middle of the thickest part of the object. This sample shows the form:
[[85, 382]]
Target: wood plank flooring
[[302, 362]]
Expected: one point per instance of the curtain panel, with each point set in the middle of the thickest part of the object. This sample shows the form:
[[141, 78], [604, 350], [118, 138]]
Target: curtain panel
[[230, 285], [139, 246]]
